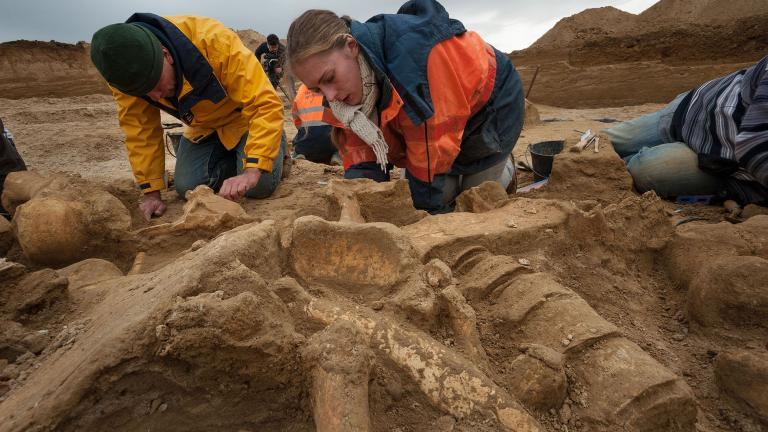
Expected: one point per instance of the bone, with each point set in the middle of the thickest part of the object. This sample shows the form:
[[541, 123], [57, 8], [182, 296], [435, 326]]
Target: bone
[[451, 383]]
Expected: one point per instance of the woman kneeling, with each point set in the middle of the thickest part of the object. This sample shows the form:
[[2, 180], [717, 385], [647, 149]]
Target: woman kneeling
[[415, 90]]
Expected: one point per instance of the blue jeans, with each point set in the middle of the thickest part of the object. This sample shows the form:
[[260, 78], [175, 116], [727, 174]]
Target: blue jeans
[[656, 161], [209, 163]]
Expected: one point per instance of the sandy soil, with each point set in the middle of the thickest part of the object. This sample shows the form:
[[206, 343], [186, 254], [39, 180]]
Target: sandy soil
[[88, 141], [614, 257], [607, 57], [336, 306]]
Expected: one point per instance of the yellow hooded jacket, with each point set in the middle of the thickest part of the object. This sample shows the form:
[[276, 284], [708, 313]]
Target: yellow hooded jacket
[[224, 90]]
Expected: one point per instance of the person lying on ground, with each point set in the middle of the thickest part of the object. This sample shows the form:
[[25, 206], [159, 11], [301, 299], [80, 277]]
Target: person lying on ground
[[711, 140], [415, 90], [199, 71], [313, 124]]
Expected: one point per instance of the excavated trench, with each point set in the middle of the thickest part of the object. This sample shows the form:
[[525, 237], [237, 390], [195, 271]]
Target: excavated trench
[[534, 313]]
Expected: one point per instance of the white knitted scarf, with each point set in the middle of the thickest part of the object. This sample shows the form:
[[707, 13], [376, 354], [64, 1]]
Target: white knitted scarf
[[361, 118]]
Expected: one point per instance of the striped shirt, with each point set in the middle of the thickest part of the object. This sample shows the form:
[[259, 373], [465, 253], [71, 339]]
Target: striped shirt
[[725, 121]]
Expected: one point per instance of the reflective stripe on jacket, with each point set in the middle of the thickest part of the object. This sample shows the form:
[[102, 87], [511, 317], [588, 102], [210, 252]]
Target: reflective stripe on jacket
[[224, 90], [308, 110]]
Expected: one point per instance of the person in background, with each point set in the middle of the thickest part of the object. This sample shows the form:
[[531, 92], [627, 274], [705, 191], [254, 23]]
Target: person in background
[[271, 55], [415, 90], [711, 140], [199, 71], [313, 124]]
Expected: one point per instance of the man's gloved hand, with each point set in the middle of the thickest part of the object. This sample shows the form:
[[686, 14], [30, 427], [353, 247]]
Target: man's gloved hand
[[235, 187], [152, 205]]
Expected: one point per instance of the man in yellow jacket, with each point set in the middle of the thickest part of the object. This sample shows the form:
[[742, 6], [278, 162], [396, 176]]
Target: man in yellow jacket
[[199, 71]]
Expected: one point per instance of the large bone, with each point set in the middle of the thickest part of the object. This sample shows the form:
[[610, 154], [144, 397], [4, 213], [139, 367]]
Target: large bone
[[451, 383], [59, 221], [463, 321], [203, 211], [340, 364], [363, 200]]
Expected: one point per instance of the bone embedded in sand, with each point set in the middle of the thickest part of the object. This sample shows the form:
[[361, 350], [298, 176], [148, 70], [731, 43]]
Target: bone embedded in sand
[[204, 201], [437, 274], [463, 320], [65, 220], [451, 383], [364, 200], [340, 363], [730, 293], [743, 377], [6, 235], [343, 196], [537, 377], [361, 259], [487, 196], [51, 231], [89, 272], [22, 186], [203, 211], [623, 383], [138, 263]]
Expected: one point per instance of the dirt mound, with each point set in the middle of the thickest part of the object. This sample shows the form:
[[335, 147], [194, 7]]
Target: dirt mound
[[587, 25], [730, 41], [56, 69], [588, 175], [593, 25], [251, 38], [606, 57], [52, 69], [703, 11]]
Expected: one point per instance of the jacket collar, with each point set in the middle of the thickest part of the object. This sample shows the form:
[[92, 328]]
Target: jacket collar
[[190, 63], [398, 46]]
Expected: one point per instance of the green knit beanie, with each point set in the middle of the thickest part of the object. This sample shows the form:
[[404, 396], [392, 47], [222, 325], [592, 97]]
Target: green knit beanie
[[129, 57]]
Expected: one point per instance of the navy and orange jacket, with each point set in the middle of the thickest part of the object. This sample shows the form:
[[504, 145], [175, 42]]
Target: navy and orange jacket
[[223, 90], [450, 103]]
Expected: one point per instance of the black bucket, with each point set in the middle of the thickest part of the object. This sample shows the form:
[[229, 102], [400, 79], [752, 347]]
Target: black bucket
[[542, 155]]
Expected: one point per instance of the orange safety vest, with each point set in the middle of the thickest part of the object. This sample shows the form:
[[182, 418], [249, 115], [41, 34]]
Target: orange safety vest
[[308, 110]]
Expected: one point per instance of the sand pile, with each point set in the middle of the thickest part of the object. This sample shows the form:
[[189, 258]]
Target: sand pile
[[52, 69], [251, 38], [617, 58], [703, 11], [590, 24], [55, 69]]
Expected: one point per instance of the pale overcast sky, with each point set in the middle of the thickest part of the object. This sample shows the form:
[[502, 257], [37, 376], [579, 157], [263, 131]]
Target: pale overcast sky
[[507, 24]]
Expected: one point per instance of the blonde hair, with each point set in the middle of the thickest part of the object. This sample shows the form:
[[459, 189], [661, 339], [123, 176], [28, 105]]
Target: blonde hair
[[316, 31]]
